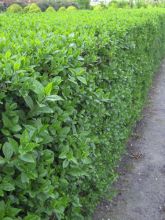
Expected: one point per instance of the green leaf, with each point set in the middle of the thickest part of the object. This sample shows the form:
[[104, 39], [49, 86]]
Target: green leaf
[[1, 193], [53, 98], [48, 88], [77, 71], [63, 155], [27, 158], [6, 121], [14, 144], [7, 218], [16, 128], [7, 150], [65, 163], [2, 209], [57, 80], [64, 131], [60, 204], [24, 178], [7, 186], [48, 156], [25, 137], [29, 101], [37, 87], [72, 79], [27, 148], [82, 79], [32, 217], [8, 54], [11, 211], [77, 172], [16, 66], [43, 110], [2, 160]]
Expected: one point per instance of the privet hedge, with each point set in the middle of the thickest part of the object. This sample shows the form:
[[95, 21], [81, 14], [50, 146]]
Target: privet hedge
[[72, 87]]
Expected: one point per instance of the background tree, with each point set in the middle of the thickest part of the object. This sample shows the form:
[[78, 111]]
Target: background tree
[[84, 4]]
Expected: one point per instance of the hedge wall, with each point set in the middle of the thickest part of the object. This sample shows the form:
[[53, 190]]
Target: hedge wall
[[72, 87]]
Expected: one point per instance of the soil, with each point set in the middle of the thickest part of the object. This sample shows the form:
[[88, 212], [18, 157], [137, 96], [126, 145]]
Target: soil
[[141, 185]]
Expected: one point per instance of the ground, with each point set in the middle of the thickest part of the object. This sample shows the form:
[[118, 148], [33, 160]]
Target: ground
[[141, 186]]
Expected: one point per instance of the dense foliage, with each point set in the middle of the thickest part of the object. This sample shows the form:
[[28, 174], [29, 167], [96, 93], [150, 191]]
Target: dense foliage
[[72, 87], [50, 9], [98, 8], [79, 4], [43, 4], [33, 8], [85, 4], [14, 8], [62, 9], [71, 8]]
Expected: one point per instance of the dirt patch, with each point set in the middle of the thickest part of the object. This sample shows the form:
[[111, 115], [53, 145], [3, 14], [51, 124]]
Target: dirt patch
[[141, 186]]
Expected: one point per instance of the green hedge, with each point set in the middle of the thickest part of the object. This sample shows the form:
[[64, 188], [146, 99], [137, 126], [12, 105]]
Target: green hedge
[[14, 8], [72, 87], [50, 9], [32, 8]]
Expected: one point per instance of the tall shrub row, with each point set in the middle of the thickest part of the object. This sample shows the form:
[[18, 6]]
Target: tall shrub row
[[71, 91]]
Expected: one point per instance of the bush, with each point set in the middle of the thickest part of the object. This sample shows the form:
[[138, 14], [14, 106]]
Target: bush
[[124, 4], [50, 9], [98, 8], [113, 5], [26, 9], [71, 92], [62, 9], [85, 4], [2, 7], [161, 5], [71, 8], [33, 8], [149, 6], [14, 8], [141, 4]]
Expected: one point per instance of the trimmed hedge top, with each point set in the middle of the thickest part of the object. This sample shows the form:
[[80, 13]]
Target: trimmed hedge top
[[62, 9], [71, 8], [33, 8], [14, 8], [72, 87], [50, 9]]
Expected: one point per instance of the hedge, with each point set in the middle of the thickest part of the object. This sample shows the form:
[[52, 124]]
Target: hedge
[[14, 8], [50, 9], [33, 8], [62, 9], [71, 8], [72, 88]]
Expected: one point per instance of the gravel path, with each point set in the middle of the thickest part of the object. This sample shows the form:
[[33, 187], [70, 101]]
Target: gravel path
[[141, 187]]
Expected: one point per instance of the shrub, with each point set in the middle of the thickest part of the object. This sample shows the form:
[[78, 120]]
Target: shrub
[[71, 92], [33, 8], [56, 4], [141, 4], [149, 6], [113, 5], [85, 4], [26, 8], [2, 7], [71, 8], [125, 5], [50, 9], [62, 9], [14, 8], [98, 8], [161, 5]]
